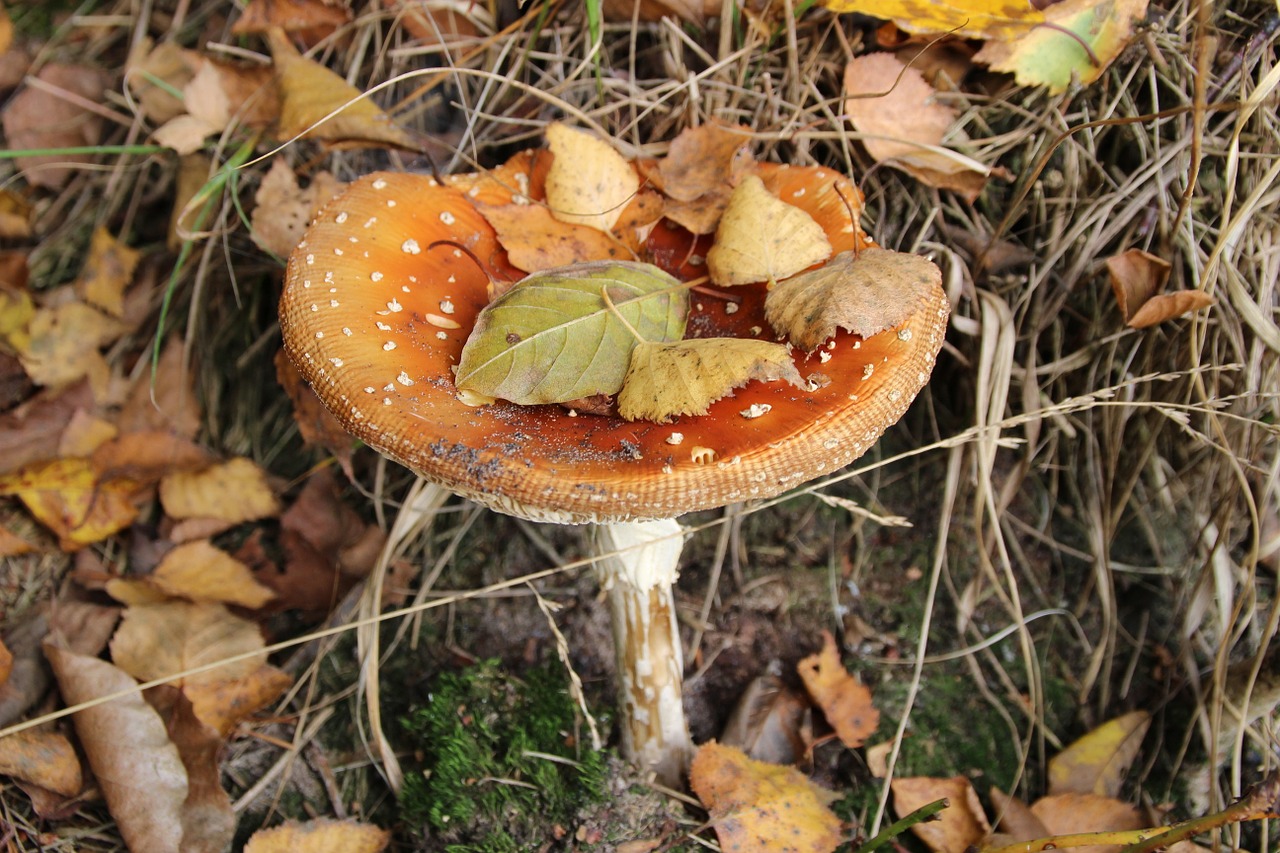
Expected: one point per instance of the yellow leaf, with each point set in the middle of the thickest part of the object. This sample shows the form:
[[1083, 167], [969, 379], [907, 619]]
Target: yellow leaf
[[761, 808], [45, 758], [200, 572], [66, 496], [845, 701], [968, 18], [235, 491], [15, 214], [958, 827], [1097, 762], [903, 124], [310, 92], [762, 238], [319, 836], [864, 293], [107, 272], [1055, 54], [1067, 814], [589, 183], [665, 380], [61, 344]]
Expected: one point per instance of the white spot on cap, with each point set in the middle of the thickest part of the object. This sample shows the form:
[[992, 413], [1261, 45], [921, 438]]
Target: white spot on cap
[[315, 307], [386, 401], [756, 330], [333, 303], [447, 218], [857, 344], [702, 455], [904, 334], [442, 336], [379, 184], [382, 327], [446, 306], [337, 251], [391, 202], [442, 322], [404, 379], [306, 282], [336, 362], [311, 259], [895, 395], [867, 370], [368, 223], [390, 386], [375, 276], [756, 410], [394, 306], [457, 253], [675, 438], [411, 247], [731, 308], [340, 218], [798, 193], [831, 443], [319, 335], [346, 330], [369, 389], [824, 356], [453, 279], [389, 346]]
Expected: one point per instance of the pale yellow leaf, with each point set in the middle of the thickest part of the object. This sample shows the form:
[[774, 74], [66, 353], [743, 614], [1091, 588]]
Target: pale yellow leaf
[[236, 491], [1098, 761], [589, 183], [1067, 814], [667, 380], [200, 572], [983, 19], [762, 238], [107, 272]]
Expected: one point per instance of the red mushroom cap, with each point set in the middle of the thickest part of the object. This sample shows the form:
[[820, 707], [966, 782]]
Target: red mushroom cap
[[375, 322]]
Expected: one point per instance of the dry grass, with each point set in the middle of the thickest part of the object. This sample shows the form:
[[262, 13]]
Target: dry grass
[[1110, 496]]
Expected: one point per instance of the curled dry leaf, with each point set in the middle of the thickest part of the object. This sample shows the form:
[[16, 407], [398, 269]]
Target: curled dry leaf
[[767, 722], [904, 125], [137, 767], [553, 338], [845, 701], [234, 491], [589, 183], [667, 380], [43, 758], [208, 819], [863, 293], [282, 208], [1097, 762], [1064, 814], [761, 238], [536, 240], [310, 93], [320, 836], [958, 827], [1137, 277], [757, 807], [699, 173]]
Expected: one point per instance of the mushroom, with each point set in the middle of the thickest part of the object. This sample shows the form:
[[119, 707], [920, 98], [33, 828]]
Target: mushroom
[[375, 317]]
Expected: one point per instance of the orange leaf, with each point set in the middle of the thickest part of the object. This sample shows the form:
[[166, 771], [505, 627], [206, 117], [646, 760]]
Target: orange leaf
[[1137, 277], [959, 826], [762, 807], [1166, 306], [845, 701], [45, 758], [1071, 813], [536, 240], [320, 836]]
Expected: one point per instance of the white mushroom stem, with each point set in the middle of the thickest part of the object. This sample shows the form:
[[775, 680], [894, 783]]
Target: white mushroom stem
[[638, 567]]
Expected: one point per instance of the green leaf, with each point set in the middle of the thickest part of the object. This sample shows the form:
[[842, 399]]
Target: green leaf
[[552, 338]]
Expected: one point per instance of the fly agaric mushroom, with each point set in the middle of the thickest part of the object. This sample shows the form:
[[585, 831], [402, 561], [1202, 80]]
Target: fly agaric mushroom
[[375, 312]]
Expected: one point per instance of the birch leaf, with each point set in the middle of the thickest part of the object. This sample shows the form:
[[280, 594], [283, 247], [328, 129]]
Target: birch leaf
[[589, 183], [863, 293], [966, 18], [553, 338], [685, 377], [762, 238]]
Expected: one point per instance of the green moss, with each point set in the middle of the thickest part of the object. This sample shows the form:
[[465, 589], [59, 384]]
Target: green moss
[[504, 768]]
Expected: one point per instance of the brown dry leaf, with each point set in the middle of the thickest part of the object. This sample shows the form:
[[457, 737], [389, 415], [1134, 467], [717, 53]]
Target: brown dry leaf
[[128, 747], [155, 73], [36, 117], [322, 835], [863, 293], [168, 402], [894, 108], [66, 496], [198, 571], [84, 434], [536, 240], [1017, 821], [236, 491], [310, 92], [666, 380], [107, 272], [221, 705], [6, 656], [1097, 762], [161, 640], [84, 627], [984, 19], [959, 826], [44, 758], [6, 30], [589, 183], [16, 214], [762, 808], [61, 345], [282, 209], [694, 12], [148, 456], [1054, 55], [334, 529], [766, 722], [28, 679], [1137, 277], [29, 433], [704, 160], [208, 110], [435, 22], [845, 701], [208, 819], [310, 21], [316, 424], [1072, 813], [761, 238]]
